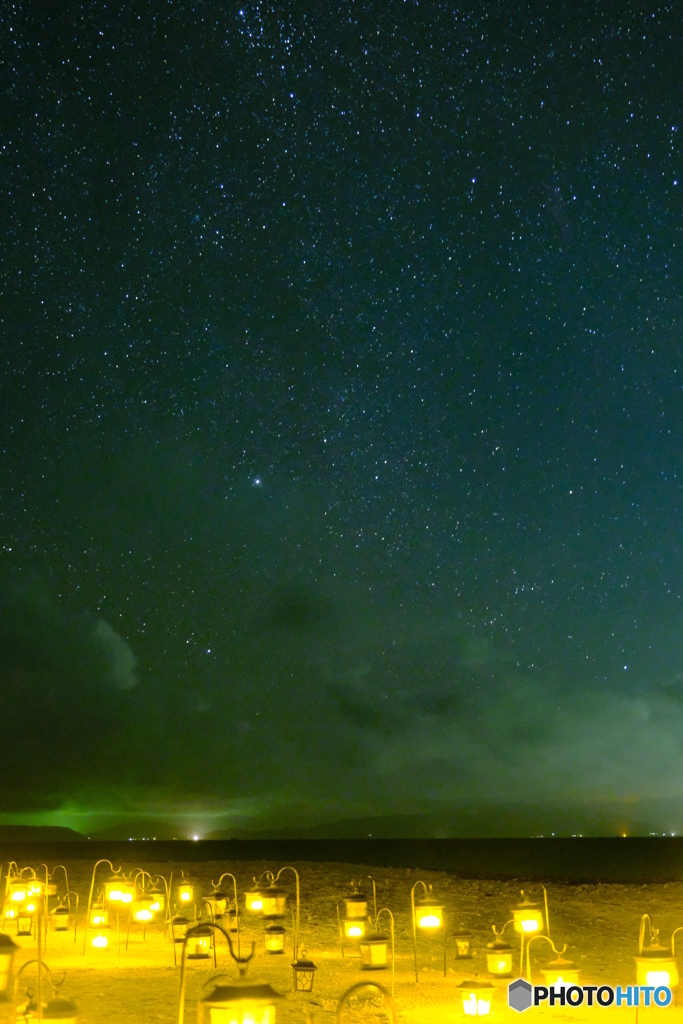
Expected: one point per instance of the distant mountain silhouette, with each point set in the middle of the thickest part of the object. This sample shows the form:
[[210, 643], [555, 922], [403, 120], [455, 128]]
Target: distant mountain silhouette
[[38, 833]]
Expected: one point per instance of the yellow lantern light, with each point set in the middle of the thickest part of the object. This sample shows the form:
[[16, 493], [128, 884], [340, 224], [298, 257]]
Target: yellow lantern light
[[10, 912], [463, 945], [142, 909], [8, 948], [373, 952], [303, 971], [275, 938], [240, 1003], [113, 890], [354, 927], [127, 893], [428, 914], [199, 943], [100, 941], [158, 900], [476, 997], [34, 887], [564, 972], [18, 891], [656, 966], [527, 917], [273, 901], [499, 958], [253, 900], [99, 916], [186, 893]]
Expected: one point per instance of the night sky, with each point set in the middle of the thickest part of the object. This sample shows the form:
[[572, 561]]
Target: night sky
[[341, 409]]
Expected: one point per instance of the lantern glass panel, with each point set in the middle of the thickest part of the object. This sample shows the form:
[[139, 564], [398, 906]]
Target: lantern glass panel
[[179, 927], [186, 893], [374, 952], [275, 939], [304, 972], [356, 905], [651, 970], [273, 902], [100, 941], [200, 946], [527, 918], [429, 916], [24, 923], [61, 919], [499, 962], [99, 916], [253, 901], [476, 998], [238, 1004]]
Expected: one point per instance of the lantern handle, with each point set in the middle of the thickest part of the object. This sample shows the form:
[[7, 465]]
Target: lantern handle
[[367, 984], [499, 934], [552, 946], [645, 919], [268, 875]]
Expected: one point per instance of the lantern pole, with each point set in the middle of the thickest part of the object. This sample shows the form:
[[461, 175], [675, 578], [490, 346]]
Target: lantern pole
[[67, 896], [228, 874], [241, 962], [547, 916], [385, 910], [641, 937], [367, 984], [374, 897], [412, 905], [296, 932], [679, 929], [92, 886]]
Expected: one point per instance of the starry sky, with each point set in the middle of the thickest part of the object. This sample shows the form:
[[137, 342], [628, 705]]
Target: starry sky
[[341, 409]]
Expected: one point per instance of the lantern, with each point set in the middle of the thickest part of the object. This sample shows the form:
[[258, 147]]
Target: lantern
[[34, 887], [113, 889], [527, 917], [428, 914], [273, 901], [356, 904], [179, 926], [241, 1003], [8, 948], [656, 966], [18, 890], [476, 997], [24, 921], [275, 938], [99, 916], [186, 893], [199, 943], [354, 927], [463, 944], [142, 909], [499, 958], [373, 952], [303, 971], [253, 900], [63, 1010], [158, 900], [564, 972], [217, 902], [100, 941], [10, 912], [127, 892], [51, 889], [61, 918]]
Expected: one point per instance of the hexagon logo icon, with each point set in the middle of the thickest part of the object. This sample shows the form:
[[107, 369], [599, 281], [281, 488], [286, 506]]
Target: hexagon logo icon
[[519, 995]]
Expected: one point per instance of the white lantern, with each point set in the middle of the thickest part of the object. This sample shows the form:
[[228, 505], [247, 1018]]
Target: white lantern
[[241, 1003], [476, 997]]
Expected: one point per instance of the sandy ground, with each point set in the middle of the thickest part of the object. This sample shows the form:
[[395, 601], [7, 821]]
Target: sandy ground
[[599, 923]]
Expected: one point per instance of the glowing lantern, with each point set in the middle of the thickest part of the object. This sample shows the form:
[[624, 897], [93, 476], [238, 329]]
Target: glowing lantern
[[476, 997], [253, 900], [199, 943], [428, 914], [356, 904], [217, 902], [142, 909], [8, 948], [186, 893], [273, 901], [656, 966], [179, 926], [354, 927], [275, 938], [34, 887], [113, 889], [158, 896], [373, 952], [100, 941], [61, 918], [18, 890], [127, 892], [560, 972], [241, 1003], [303, 971], [463, 945], [10, 912], [99, 916], [527, 917], [499, 958]]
